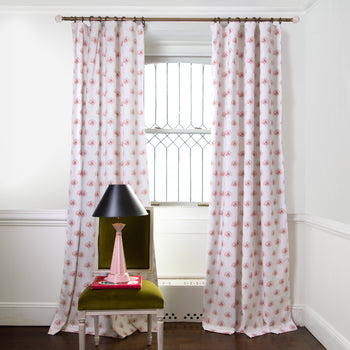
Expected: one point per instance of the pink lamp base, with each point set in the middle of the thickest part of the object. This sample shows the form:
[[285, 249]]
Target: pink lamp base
[[118, 272], [121, 278]]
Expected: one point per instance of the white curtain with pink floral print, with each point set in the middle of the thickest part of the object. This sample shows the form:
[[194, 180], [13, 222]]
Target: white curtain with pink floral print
[[108, 146], [247, 286]]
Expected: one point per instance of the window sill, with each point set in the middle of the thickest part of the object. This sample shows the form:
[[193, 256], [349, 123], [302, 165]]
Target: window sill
[[179, 204]]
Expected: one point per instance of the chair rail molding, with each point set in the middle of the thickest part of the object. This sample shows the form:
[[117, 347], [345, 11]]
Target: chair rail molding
[[46, 218], [327, 225], [58, 218]]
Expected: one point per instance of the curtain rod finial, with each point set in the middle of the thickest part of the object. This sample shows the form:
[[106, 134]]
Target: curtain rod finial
[[296, 19], [58, 18]]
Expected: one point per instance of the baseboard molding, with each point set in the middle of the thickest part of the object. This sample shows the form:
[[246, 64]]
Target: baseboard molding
[[325, 333], [27, 314], [41, 314]]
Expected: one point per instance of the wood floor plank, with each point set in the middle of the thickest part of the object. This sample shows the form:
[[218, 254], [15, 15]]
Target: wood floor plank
[[177, 336]]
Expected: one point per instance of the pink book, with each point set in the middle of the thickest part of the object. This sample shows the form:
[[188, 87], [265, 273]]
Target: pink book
[[100, 283]]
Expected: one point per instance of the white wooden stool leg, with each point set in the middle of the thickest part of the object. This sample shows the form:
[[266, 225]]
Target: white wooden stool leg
[[97, 336], [160, 326], [81, 317], [149, 329]]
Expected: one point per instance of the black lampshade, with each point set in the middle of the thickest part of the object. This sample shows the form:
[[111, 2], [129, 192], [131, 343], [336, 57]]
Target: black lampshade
[[119, 201]]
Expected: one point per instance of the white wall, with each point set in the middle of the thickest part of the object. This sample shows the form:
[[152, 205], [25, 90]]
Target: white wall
[[35, 95], [327, 170], [31, 265], [36, 105], [328, 105], [35, 92], [293, 65]]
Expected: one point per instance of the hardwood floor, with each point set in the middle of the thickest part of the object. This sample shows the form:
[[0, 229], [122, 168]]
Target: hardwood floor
[[177, 336]]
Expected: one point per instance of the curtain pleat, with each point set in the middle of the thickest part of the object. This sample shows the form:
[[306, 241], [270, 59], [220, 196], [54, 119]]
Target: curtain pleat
[[108, 146], [247, 286]]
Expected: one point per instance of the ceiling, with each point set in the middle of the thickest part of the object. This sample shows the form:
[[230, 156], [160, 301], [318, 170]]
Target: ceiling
[[244, 5], [159, 35]]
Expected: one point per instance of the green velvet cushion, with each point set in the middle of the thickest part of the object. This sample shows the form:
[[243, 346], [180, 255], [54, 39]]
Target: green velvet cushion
[[136, 241], [148, 297]]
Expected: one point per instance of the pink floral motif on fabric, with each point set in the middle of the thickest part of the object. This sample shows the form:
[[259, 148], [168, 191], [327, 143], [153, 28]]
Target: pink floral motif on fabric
[[248, 265], [108, 146]]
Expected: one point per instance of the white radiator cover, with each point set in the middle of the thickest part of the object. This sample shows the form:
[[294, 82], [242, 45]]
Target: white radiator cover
[[183, 299]]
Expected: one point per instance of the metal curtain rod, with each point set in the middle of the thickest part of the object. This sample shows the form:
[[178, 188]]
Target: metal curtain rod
[[60, 18]]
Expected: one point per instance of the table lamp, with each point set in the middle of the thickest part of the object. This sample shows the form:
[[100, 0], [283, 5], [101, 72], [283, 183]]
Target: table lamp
[[119, 200]]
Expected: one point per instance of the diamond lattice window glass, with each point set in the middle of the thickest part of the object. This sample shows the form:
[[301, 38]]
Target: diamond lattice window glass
[[178, 118]]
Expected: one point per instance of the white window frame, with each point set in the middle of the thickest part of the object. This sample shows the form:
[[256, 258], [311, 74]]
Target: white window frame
[[157, 131]]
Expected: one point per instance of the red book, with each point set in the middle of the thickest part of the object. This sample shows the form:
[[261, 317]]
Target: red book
[[100, 283]]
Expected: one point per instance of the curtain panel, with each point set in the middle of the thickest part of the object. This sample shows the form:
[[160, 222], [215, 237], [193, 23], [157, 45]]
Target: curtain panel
[[108, 146], [247, 286]]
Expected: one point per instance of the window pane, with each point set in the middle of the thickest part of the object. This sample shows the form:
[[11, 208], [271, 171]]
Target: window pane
[[197, 97], [173, 94], [178, 119], [149, 93], [161, 95], [185, 95]]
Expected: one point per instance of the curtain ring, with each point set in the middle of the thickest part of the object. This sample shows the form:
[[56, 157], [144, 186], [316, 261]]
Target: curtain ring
[[259, 19], [135, 19], [116, 18], [245, 20], [228, 20], [280, 20], [271, 19], [90, 18], [143, 22], [238, 19], [122, 19], [100, 18]]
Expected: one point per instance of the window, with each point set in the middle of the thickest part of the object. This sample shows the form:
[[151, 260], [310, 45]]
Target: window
[[178, 118]]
